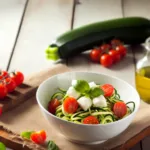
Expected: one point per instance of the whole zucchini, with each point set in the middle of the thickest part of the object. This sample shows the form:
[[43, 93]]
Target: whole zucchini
[[130, 30]]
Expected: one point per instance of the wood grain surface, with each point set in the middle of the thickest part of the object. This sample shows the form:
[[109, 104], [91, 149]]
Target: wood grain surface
[[10, 17], [43, 21], [24, 36]]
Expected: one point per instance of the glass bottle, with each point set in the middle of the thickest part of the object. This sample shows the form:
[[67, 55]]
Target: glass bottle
[[143, 74]]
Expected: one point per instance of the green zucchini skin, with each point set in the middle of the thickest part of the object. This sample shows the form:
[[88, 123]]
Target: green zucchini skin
[[131, 30]]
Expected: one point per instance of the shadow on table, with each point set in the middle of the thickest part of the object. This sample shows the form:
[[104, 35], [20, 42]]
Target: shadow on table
[[138, 49]]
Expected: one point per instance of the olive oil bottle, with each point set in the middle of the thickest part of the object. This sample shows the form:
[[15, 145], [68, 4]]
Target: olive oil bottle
[[142, 78]]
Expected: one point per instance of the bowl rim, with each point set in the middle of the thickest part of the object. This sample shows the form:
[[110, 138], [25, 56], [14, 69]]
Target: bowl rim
[[89, 125]]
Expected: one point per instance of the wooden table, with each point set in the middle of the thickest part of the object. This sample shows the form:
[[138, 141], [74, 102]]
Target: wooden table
[[28, 26]]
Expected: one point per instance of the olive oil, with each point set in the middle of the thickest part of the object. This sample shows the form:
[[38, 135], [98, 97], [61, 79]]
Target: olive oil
[[143, 83], [142, 78]]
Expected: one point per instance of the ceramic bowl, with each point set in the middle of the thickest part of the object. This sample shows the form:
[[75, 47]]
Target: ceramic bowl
[[80, 133]]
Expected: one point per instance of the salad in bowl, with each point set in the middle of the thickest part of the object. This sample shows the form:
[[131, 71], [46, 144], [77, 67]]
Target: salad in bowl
[[89, 103]]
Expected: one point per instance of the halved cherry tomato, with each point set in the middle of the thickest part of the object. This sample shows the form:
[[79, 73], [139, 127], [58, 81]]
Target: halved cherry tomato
[[10, 84], [115, 42], [0, 111], [3, 91], [108, 89], [3, 74], [90, 120], [122, 50], [38, 137], [115, 55], [18, 77], [120, 109], [95, 55], [53, 104], [106, 60], [70, 105], [105, 47]]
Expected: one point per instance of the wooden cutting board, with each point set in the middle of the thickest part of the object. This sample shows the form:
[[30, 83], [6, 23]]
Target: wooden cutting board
[[21, 93], [14, 141], [28, 88]]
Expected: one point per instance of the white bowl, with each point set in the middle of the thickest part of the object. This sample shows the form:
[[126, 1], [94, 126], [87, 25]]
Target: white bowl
[[80, 133]]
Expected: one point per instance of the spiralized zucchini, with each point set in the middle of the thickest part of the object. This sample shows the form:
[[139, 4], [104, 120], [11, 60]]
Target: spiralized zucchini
[[103, 114]]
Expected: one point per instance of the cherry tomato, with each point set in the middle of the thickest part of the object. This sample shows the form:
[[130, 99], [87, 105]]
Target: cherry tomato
[[53, 104], [70, 105], [120, 109], [95, 55], [3, 91], [115, 55], [0, 111], [90, 120], [18, 77], [122, 50], [10, 84], [38, 137], [3, 74], [106, 60], [108, 90], [115, 42], [105, 47]]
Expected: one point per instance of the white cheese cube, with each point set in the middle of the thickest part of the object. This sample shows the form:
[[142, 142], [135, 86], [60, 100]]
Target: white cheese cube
[[85, 103], [92, 85], [100, 101], [73, 93], [74, 82]]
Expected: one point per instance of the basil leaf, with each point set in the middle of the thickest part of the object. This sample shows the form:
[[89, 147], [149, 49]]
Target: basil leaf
[[95, 92], [81, 86], [52, 146], [2, 146], [26, 134]]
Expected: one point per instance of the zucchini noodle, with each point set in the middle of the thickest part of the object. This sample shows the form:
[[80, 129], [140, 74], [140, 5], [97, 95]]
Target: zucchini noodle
[[103, 114]]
